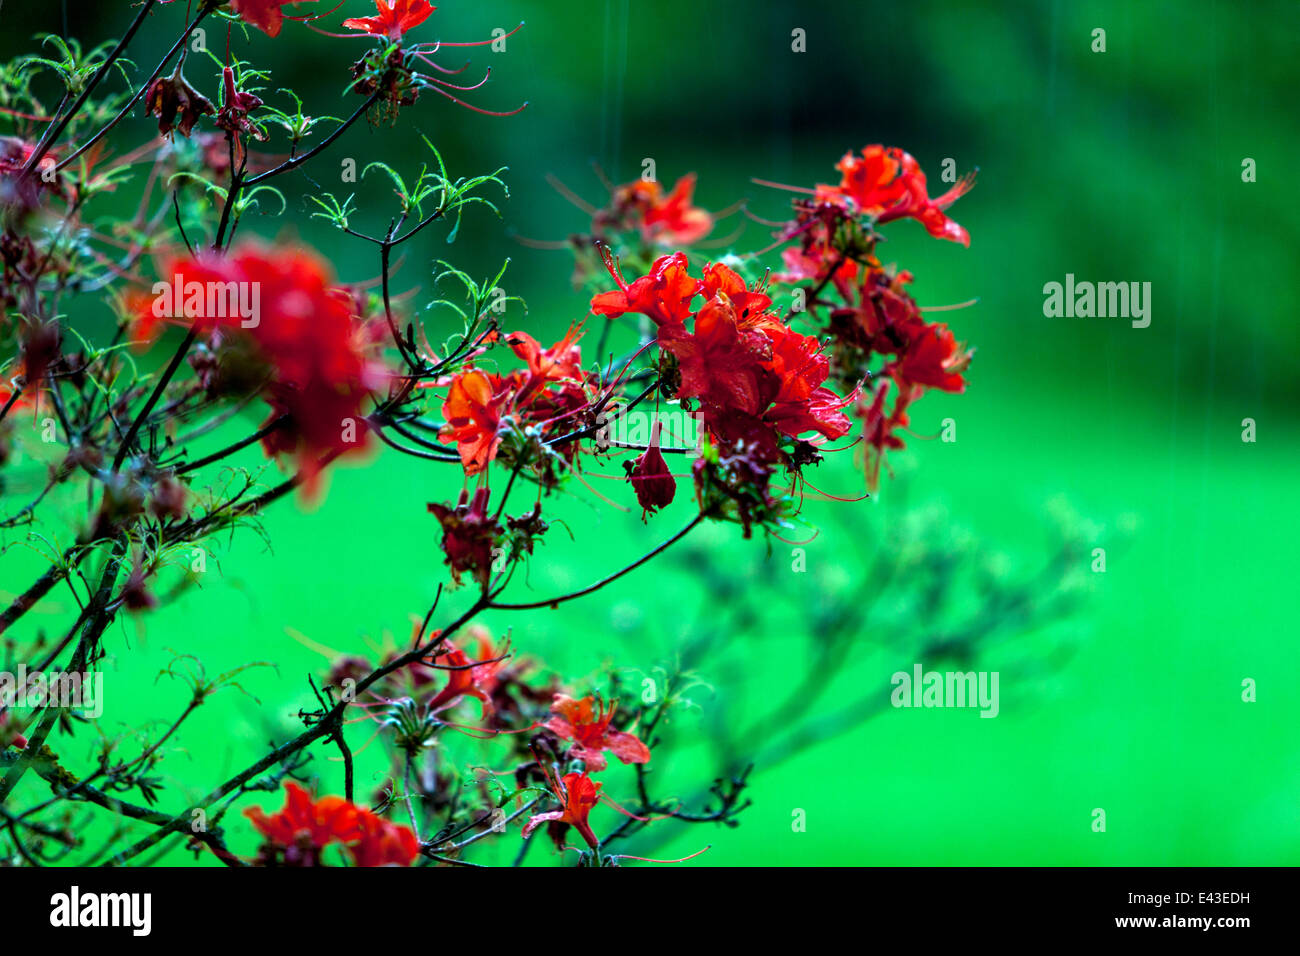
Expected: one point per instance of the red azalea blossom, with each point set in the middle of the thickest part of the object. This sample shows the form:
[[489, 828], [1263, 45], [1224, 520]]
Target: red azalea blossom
[[266, 15], [394, 19], [802, 404], [320, 357], [547, 393], [673, 220], [935, 359], [721, 358], [473, 411], [297, 834], [889, 184], [886, 317], [503, 680], [753, 377], [664, 294], [466, 678], [577, 794], [559, 364], [746, 301], [586, 723], [382, 843]]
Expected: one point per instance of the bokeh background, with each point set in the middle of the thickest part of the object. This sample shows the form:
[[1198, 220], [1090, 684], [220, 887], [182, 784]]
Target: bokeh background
[[1117, 166]]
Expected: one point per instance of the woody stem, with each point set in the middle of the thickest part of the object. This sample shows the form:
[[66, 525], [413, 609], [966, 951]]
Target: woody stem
[[162, 65], [54, 132], [552, 602]]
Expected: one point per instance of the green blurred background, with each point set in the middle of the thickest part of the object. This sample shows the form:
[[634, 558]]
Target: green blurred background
[[1123, 165]]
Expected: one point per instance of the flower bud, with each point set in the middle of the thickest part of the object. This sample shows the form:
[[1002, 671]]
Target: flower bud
[[651, 480]]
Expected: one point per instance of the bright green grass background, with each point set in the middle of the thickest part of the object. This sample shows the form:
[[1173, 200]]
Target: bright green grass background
[[1124, 166]]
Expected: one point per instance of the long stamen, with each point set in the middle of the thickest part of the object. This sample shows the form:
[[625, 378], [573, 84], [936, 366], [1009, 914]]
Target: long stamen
[[430, 85], [788, 188], [453, 86], [554, 182], [308, 17], [486, 42], [646, 859]]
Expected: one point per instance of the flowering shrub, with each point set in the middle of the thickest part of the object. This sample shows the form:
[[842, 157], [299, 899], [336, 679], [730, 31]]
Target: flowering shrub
[[777, 371]]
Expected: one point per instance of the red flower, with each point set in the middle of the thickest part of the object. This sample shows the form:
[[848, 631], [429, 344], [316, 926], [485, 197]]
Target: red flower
[[394, 19], [878, 429], [753, 373], [305, 826], [319, 356], [889, 184], [382, 843], [473, 411], [718, 278], [561, 363], [752, 376], [720, 360], [550, 391], [298, 833], [873, 181], [886, 318], [934, 359], [651, 479], [467, 679], [577, 794], [468, 535], [664, 294], [802, 404], [266, 15], [672, 220], [587, 725], [503, 680], [811, 262]]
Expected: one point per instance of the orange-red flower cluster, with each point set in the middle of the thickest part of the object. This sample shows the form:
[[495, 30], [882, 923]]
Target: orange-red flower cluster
[[547, 394], [887, 183], [876, 314], [298, 834], [754, 379], [587, 724]]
